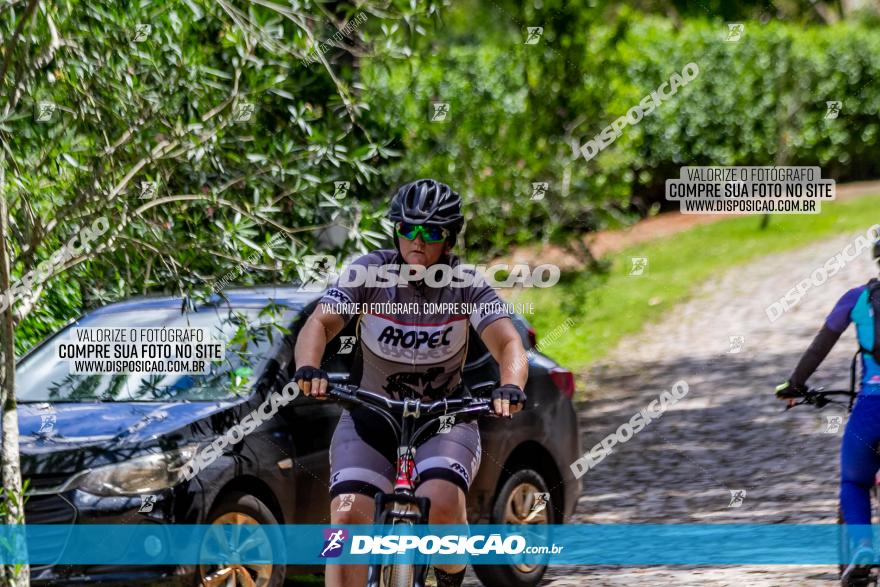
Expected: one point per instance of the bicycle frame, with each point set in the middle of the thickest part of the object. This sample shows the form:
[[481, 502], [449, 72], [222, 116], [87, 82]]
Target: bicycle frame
[[403, 506]]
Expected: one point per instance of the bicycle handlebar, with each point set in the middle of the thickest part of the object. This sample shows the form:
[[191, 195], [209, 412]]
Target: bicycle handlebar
[[462, 409], [820, 398], [352, 394]]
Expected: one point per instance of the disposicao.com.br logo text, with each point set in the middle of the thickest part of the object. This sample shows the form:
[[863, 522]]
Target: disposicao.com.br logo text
[[450, 544]]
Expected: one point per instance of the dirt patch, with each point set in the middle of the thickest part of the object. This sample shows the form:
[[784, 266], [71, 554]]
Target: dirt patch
[[603, 242]]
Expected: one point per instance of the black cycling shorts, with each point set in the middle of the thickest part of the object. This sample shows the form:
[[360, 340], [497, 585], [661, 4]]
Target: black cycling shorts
[[368, 467]]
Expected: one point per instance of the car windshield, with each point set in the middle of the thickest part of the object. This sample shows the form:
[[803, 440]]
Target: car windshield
[[247, 332]]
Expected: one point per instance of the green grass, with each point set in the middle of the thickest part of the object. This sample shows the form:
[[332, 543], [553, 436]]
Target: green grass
[[609, 306]]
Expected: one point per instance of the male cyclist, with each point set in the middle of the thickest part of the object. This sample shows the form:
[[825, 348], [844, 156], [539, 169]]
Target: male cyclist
[[859, 459], [410, 355]]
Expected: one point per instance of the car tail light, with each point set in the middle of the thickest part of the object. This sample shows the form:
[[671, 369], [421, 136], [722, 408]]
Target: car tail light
[[533, 336], [563, 379]]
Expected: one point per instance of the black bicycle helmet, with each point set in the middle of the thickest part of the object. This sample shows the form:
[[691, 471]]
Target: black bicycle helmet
[[426, 201]]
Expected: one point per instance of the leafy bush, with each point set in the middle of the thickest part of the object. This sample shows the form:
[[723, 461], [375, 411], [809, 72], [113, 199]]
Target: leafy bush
[[217, 105], [517, 114]]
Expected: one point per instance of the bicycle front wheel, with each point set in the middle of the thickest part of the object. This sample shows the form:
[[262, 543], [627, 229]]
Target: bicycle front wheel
[[402, 574]]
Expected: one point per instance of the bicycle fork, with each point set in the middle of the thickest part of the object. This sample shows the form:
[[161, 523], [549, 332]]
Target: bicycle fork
[[402, 507]]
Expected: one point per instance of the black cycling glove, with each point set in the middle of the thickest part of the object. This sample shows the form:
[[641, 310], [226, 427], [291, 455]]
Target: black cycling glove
[[509, 392], [308, 373], [789, 390]]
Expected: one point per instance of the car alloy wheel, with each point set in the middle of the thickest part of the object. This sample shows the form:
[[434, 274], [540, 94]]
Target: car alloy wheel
[[236, 511], [523, 499], [520, 509]]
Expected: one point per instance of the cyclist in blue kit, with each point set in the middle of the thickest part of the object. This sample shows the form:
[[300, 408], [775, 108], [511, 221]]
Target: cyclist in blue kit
[[859, 456], [410, 354]]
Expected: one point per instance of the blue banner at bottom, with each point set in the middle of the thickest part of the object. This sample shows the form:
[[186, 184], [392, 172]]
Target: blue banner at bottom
[[636, 544]]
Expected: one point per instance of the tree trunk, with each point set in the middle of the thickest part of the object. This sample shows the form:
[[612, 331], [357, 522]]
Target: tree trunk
[[10, 468]]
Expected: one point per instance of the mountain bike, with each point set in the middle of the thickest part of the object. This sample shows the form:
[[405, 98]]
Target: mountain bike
[[819, 398], [402, 509]]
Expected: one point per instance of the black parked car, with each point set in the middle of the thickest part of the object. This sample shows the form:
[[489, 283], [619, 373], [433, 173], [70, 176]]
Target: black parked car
[[108, 449]]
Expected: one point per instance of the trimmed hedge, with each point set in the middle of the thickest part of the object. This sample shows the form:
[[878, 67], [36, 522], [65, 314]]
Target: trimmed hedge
[[758, 101]]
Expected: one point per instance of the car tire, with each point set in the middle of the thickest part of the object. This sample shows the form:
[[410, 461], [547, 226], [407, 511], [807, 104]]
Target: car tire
[[504, 511], [241, 508]]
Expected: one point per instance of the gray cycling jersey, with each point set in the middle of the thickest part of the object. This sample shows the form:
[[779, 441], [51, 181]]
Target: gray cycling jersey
[[414, 353]]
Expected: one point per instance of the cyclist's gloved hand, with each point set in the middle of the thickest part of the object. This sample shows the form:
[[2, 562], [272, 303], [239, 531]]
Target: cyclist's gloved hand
[[312, 381], [508, 399], [789, 390]]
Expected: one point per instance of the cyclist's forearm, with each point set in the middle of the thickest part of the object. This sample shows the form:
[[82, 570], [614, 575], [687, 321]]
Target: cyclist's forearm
[[310, 345], [514, 363], [312, 341], [814, 355], [505, 344]]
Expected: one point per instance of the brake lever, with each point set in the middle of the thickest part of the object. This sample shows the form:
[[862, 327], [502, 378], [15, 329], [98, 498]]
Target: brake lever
[[800, 403], [814, 399], [340, 397]]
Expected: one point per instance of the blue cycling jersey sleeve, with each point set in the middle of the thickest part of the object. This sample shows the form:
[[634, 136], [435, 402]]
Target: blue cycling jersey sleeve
[[841, 316]]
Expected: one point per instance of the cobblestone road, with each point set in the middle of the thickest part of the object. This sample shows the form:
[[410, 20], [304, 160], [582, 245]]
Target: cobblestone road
[[728, 433]]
